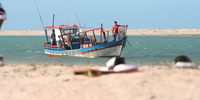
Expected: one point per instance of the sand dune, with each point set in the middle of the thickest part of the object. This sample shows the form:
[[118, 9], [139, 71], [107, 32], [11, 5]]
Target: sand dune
[[136, 32], [168, 32], [41, 82]]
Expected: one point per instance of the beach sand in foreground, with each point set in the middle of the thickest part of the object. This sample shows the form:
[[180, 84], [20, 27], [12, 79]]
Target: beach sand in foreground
[[136, 32], [49, 82]]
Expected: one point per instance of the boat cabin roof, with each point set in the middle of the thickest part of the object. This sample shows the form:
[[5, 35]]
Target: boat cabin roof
[[62, 26]]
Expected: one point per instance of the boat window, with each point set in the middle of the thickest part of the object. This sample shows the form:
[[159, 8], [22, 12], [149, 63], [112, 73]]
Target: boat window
[[70, 31], [82, 35], [73, 36]]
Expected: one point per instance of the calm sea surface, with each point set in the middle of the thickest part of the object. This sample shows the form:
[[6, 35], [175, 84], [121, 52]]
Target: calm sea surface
[[143, 50]]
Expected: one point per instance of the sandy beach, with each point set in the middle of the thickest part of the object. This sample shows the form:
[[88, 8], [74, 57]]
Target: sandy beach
[[136, 32], [49, 82]]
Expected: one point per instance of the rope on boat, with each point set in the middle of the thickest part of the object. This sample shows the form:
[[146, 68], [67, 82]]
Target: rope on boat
[[128, 42]]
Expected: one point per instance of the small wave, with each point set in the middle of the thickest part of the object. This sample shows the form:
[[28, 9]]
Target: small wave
[[190, 46], [28, 57], [29, 51], [39, 52]]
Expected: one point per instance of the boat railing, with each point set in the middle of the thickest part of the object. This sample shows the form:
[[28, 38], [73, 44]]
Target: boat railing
[[123, 30], [84, 33], [107, 32], [103, 34]]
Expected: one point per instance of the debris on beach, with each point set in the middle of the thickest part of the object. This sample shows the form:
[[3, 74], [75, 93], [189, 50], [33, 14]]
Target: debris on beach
[[114, 65]]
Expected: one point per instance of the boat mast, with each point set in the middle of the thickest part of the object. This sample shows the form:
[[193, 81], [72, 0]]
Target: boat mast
[[53, 20], [39, 14]]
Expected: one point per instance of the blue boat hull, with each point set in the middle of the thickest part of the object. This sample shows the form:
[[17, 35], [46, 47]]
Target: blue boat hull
[[109, 49]]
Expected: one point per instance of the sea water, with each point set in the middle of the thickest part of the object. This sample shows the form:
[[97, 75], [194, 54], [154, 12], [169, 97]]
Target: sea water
[[141, 50]]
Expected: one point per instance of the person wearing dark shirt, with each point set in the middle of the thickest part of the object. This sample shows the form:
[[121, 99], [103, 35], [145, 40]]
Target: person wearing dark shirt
[[53, 39]]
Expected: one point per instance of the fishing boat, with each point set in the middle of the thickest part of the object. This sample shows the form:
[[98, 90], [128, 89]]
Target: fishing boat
[[2, 15], [72, 41]]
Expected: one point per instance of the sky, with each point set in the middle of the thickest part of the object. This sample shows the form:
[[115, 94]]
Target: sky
[[137, 14]]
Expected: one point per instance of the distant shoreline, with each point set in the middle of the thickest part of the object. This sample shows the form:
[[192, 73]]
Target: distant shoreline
[[135, 32]]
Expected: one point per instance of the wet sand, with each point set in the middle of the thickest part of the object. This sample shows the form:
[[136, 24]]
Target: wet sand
[[49, 82]]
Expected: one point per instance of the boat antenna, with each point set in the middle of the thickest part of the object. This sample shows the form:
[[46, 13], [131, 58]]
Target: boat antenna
[[84, 26], [78, 20], [39, 14], [73, 20], [76, 23]]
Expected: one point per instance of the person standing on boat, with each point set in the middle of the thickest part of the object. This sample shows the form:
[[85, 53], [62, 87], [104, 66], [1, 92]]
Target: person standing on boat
[[53, 38], [115, 30]]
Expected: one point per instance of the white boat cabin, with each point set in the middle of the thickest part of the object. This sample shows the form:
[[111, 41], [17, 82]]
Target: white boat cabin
[[66, 36]]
